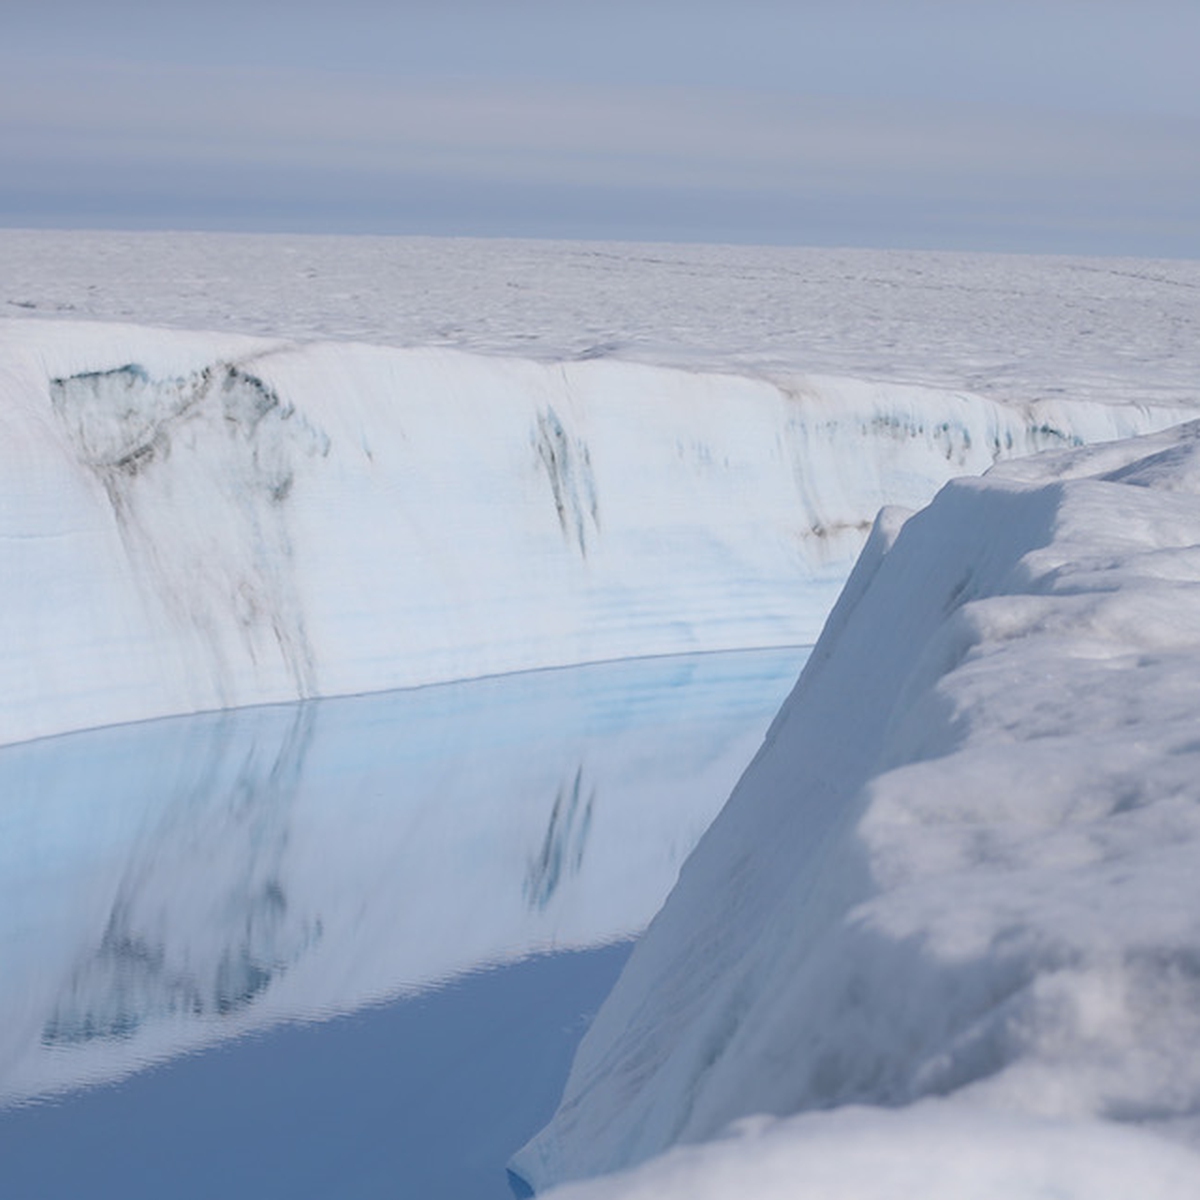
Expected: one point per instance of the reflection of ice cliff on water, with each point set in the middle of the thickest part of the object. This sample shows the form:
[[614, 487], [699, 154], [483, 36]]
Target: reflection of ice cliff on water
[[169, 884], [239, 929], [566, 836]]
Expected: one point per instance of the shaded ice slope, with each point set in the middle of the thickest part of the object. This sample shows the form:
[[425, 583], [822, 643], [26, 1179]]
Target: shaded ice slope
[[197, 521], [959, 881]]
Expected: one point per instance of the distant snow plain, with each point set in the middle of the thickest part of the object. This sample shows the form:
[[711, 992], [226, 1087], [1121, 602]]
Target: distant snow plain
[[946, 930], [942, 933]]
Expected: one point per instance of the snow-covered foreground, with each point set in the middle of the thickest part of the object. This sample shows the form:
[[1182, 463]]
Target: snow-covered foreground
[[195, 521], [954, 898]]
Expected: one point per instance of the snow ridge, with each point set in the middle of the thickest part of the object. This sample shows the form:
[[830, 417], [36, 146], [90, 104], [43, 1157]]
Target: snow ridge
[[957, 882]]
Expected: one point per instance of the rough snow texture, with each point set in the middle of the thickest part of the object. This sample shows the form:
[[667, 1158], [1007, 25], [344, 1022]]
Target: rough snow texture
[[963, 865], [931, 1151], [1012, 327], [200, 521]]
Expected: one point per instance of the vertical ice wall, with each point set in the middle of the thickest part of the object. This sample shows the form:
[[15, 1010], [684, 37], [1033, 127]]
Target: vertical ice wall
[[196, 521]]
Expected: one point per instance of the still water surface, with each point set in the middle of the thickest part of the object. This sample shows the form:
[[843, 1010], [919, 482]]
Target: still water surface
[[342, 948]]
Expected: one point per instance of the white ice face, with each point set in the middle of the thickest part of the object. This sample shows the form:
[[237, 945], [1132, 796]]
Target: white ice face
[[199, 521], [171, 884]]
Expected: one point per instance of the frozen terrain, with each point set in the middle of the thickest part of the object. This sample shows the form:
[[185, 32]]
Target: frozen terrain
[[943, 939], [199, 520], [944, 935], [1011, 327]]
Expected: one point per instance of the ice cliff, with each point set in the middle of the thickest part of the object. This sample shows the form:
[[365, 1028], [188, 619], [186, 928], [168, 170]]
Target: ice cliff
[[197, 521], [944, 939]]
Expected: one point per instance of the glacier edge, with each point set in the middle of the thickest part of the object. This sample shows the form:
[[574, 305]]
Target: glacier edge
[[194, 521]]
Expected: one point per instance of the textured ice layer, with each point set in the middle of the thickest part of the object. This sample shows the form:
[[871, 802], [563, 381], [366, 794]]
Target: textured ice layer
[[963, 865], [196, 521]]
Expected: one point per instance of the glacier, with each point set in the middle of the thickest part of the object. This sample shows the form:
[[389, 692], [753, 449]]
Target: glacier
[[943, 938], [195, 521]]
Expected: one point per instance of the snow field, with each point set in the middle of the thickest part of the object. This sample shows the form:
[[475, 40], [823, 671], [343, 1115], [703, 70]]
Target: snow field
[[1016, 328]]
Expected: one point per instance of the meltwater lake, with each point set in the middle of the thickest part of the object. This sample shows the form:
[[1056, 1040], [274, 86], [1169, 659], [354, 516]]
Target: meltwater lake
[[343, 948]]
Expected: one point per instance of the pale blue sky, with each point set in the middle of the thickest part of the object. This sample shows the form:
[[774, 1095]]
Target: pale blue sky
[[1062, 125]]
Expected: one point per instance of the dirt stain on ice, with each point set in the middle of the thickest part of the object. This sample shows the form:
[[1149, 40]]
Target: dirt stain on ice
[[199, 471], [568, 465]]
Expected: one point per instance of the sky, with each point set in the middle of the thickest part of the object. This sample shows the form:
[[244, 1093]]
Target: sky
[[1061, 126]]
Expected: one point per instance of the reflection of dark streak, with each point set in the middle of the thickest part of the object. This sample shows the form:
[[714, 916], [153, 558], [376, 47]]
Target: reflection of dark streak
[[145, 967], [563, 845]]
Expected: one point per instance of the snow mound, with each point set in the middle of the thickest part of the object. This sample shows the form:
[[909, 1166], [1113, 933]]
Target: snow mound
[[197, 521], [932, 1151], [962, 866], [169, 885]]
